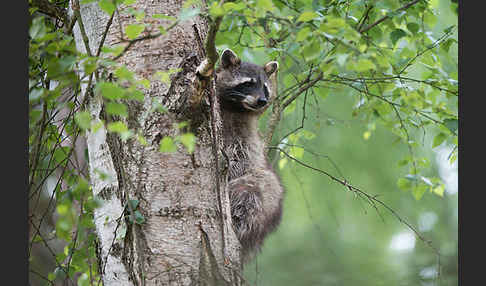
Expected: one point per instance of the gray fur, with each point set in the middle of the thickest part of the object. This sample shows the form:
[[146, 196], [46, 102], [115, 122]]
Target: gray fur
[[254, 189]]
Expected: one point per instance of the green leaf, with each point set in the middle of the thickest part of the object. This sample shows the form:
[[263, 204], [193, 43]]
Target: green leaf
[[60, 155], [59, 68], [142, 140], [51, 276], [117, 126], [438, 139], [308, 135], [312, 51], [164, 76], [302, 34], [136, 95], [447, 44], [83, 119], [120, 128], [38, 28], [144, 82], [430, 19], [133, 30], [433, 3], [123, 73], [403, 162], [439, 190], [366, 135], [396, 35], [232, 6], [418, 191], [451, 124], [297, 152], [264, 5], [115, 108], [364, 65], [167, 145], [413, 27], [216, 10], [81, 188], [110, 90], [307, 16], [188, 140], [404, 184], [90, 65], [107, 5], [164, 17], [114, 50]]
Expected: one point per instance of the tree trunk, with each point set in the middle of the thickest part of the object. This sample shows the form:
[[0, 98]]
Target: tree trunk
[[185, 239]]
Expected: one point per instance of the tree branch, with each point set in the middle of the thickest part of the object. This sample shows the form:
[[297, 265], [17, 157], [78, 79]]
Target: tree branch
[[365, 17], [405, 7], [77, 13], [51, 9], [207, 66], [303, 88]]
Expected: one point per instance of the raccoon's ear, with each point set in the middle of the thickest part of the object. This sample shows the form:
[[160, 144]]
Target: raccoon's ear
[[229, 58], [270, 67]]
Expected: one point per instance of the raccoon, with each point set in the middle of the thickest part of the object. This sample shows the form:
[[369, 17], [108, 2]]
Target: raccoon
[[255, 191]]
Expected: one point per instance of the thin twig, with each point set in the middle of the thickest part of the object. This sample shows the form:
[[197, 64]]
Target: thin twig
[[302, 89], [430, 47], [371, 199], [76, 10], [37, 150], [103, 37], [147, 37], [365, 17], [41, 276], [406, 6], [51, 9], [50, 250]]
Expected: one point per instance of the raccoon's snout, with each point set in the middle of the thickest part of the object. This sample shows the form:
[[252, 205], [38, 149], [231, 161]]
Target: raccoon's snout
[[261, 102], [254, 103]]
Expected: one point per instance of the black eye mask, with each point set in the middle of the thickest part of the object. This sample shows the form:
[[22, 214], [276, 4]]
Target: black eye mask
[[247, 87]]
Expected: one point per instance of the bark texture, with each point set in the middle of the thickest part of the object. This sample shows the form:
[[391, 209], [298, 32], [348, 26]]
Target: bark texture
[[185, 239]]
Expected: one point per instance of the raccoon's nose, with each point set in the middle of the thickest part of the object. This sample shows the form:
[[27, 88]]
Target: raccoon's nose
[[261, 101]]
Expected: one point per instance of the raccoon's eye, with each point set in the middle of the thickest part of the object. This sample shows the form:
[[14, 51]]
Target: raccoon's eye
[[246, 84]]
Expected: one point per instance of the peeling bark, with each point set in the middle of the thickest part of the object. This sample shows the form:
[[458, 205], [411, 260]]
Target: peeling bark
[[185, 239]]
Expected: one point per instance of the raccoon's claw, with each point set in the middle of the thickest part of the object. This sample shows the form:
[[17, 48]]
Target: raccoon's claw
[[204, 70]]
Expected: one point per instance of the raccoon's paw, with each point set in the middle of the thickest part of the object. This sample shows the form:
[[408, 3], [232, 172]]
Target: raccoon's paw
[[204, 70]]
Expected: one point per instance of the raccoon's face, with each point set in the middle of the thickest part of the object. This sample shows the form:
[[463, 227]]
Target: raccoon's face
[[242, 86]]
